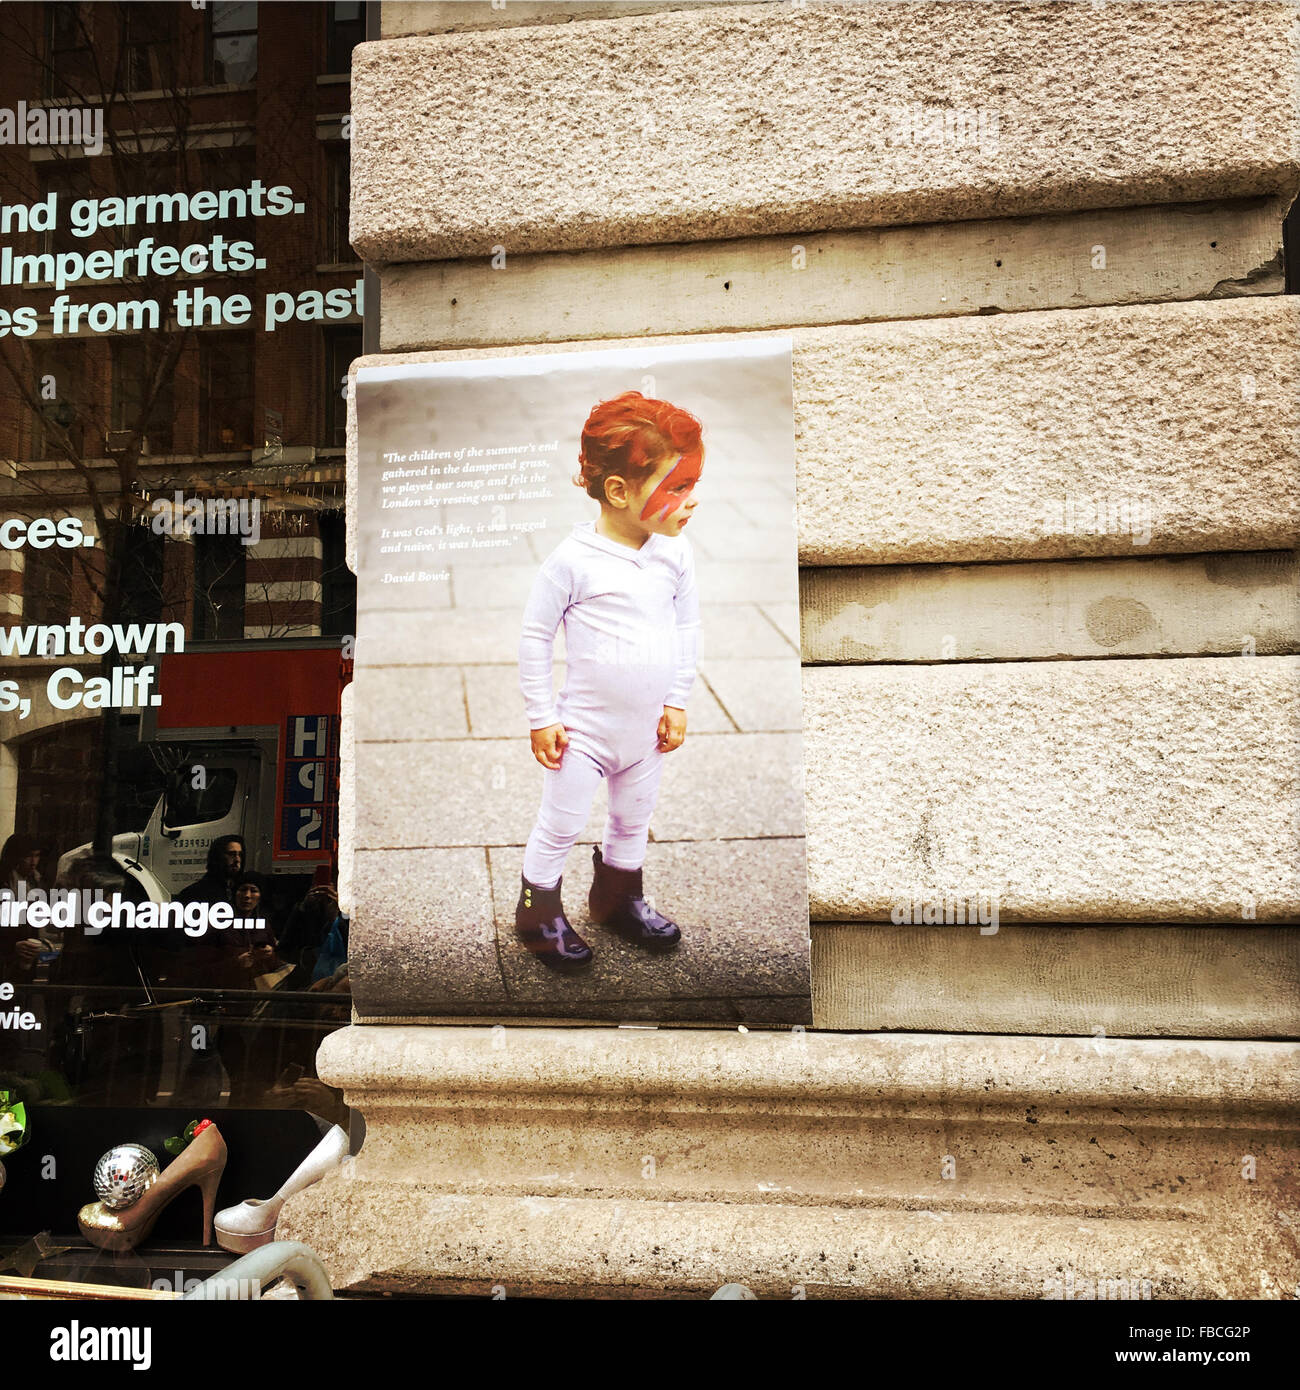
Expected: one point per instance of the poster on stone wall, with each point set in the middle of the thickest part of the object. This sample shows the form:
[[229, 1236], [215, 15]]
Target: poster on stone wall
[[578, 719]]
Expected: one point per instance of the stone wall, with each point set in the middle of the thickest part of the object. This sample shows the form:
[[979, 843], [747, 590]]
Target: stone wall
[[1046, 432]]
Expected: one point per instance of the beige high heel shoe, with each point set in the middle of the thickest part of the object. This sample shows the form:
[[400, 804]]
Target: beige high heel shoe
[[200, 1164]]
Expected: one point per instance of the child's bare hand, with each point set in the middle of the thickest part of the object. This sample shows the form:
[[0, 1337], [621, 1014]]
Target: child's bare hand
[[672, 729], [549, 745]]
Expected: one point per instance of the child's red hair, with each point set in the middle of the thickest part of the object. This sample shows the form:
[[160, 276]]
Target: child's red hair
[[629, 436]]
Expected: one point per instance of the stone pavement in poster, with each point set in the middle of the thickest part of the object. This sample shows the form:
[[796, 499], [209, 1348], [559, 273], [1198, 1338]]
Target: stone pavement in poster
[[447, 789]]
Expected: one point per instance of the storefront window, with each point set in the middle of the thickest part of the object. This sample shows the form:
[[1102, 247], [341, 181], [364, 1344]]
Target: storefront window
[[173, 610]]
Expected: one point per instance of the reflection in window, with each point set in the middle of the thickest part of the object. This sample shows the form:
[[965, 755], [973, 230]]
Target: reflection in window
[[191, 805], [341, 346], [61, 388], [47, 585], [69, 63], [135, 362], [148, 57], [347, 27], [232, 42], [338, 246], [69, 180], [338, 583], [226, 392], [218, 587], [233, 166], [146, 172], [142, 173], [142, 575]]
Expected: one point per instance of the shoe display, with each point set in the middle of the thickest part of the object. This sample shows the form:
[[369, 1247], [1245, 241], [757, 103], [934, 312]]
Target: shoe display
[[199, 1165], [547, 932], [252, 1223], [616, 902]]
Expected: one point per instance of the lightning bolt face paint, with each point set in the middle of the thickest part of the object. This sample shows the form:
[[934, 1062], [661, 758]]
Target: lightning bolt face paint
[[674, 489]]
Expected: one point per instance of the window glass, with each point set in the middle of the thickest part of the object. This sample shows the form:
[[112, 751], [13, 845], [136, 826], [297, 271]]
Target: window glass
[[342, 345], [218, 587], [174, 611], [224, 168], [188, 804], [69, 70], [142, 402], [338, 247], [47, 586], [142, 575], [233, 42], [148, 47], [69, 179], [347, 27], [63, 392], [338, 583], [226, 387]]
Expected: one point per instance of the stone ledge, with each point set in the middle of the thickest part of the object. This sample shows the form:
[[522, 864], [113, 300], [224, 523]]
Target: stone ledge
[[689, 1070], [942, 270], [1072, 791], [770, 119], [1149, 981], [612, 1163], [404, 18], [417, 1241], [1176, 605], [410, 1240]]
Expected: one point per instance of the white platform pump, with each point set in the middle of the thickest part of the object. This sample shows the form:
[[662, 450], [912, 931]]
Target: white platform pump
[[252, 1223]]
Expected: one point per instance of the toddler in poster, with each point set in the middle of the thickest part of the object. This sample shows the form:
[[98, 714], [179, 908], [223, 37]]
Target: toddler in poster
[[623, 586]]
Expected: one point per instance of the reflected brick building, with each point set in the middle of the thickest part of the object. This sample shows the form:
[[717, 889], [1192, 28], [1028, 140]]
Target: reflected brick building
[[105, 423]]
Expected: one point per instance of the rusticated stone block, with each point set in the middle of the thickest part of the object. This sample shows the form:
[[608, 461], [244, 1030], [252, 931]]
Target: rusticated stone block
[[1166, 428], [1058, 791], [1112, 431], [729, 121]]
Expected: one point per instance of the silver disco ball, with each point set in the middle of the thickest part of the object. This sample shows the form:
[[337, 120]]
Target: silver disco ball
[[123, 1174]]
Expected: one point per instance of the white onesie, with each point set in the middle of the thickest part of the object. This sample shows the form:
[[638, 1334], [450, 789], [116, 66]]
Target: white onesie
[[631, 634]]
